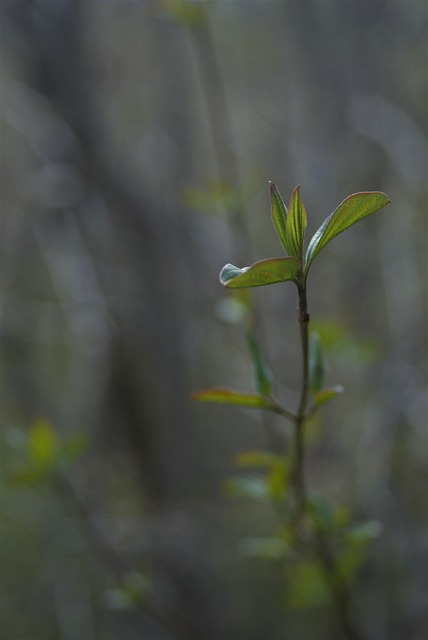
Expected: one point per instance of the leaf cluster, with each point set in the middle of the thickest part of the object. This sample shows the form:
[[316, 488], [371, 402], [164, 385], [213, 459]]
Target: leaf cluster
[[290, 226]]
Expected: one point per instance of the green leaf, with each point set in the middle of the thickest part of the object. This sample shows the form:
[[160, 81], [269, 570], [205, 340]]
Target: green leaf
[[262, 373], [365, 532], [254, 487], [350, 559], [223, 395], [296, 225], [233, 308], [321, 512], [340, 340], [354, 553], [307, 587], [256, 460], [276, 482], [186, 12], [324, 395], [316, 363], [119, 600], [260, 273], [278, 479], [28, 477], [341, 517], [130, 594], [279, 215], [354, 208], [73, 448], [42, 445]]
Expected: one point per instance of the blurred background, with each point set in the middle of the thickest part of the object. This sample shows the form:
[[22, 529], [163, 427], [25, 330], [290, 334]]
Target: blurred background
[[138, 139]]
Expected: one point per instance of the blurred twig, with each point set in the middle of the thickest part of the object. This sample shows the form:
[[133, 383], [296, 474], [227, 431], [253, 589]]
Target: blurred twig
[[220, 124], [154, 606]]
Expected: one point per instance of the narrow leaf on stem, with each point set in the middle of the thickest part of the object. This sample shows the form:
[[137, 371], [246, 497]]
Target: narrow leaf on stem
[[316, 363], [296, 225], [222, 395], [354, 208], [262, 373], [324, 395], [256, 460], [279, 215]]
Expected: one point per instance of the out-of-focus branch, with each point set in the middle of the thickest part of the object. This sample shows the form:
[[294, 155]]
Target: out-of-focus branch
[[220, 126], [154, 606]]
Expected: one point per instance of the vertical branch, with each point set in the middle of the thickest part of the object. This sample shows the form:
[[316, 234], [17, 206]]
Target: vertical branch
[[336, 585], [304, 322]]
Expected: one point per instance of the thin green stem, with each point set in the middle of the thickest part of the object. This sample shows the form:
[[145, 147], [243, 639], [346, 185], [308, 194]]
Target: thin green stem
[[281, 411]]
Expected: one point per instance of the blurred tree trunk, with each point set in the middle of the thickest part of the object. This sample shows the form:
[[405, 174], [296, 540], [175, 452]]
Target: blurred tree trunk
[[142, 388]]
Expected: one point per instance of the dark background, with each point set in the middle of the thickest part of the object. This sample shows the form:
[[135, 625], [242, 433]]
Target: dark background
[[138, 139]]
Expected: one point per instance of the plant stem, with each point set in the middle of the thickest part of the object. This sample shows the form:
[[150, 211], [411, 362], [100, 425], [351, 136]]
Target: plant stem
[[336, 584], [299, 444], [281, 411]]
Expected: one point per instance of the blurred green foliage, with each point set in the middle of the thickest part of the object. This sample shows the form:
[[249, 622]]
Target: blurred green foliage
[[43, 455]]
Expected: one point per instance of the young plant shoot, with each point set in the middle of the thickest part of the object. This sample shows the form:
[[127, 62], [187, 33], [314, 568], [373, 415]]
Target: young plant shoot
[[325, 544]]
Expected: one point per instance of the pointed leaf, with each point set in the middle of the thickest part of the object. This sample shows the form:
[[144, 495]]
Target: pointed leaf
[[351, 210], [296, 225], [262, 373], [260, 273], [222, 395], [279, 215], [324, 395], [316, 363], [278, 480]]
